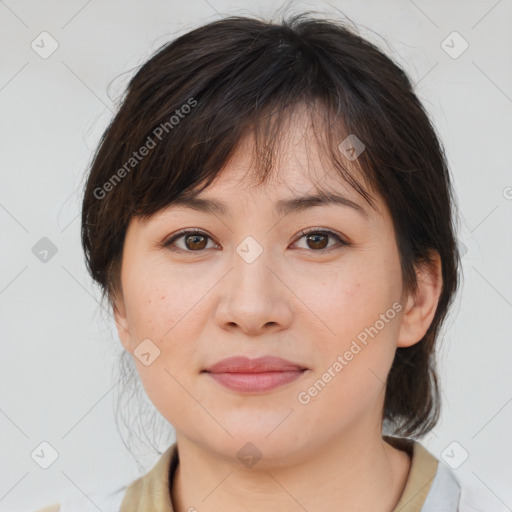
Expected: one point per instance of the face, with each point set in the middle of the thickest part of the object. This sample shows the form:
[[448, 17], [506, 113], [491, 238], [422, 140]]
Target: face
[[251, 283]]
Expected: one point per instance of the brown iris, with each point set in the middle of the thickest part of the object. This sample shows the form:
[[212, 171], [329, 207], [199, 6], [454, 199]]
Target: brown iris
[[317, 244], [196, 241]]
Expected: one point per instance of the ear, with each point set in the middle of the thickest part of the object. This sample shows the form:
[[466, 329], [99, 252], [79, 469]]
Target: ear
[[421, 306], [121, 320]]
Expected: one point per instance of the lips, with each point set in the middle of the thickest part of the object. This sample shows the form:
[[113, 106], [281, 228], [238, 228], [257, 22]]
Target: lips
[[254, 375]]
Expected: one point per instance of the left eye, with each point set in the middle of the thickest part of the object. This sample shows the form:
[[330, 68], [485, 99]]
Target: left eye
[[196, 241]]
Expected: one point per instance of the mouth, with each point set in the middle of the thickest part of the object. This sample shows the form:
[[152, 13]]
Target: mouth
[[254, 375]]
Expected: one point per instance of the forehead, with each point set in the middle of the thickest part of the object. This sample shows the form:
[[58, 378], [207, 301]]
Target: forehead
[[301, 167], [300, 161], [302, 174]]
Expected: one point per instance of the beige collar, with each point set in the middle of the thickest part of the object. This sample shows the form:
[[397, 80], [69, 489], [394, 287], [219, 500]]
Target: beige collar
[[421, 474], [151, 491]]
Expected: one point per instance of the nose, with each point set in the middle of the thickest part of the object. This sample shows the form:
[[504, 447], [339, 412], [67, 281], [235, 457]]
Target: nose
[[254, 297]]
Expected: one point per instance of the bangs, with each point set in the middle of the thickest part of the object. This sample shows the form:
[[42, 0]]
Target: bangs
[[267, 135], [192, 129]]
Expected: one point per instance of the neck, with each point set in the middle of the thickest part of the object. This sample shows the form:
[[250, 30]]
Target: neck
[[352, 473]]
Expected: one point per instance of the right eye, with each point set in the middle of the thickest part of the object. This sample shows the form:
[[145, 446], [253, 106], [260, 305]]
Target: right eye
[[194, 241]]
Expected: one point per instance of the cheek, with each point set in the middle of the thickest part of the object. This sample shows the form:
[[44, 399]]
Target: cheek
[[163, 309], [358, 307], [160, 300], [350, 298]]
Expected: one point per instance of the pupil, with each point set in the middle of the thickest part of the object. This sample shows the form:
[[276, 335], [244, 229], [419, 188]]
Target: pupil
[[312, 237], [194, 239]]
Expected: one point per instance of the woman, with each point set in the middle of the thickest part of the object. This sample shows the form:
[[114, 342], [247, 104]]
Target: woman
[[270, 215]]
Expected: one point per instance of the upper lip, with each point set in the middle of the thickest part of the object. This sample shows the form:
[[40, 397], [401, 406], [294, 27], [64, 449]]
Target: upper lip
[[242, 364]]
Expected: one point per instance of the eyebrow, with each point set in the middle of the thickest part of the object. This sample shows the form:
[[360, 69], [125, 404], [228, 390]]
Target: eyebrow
[[282, 207]]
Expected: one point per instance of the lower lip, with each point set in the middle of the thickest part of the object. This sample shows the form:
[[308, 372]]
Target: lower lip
[[256, 382]]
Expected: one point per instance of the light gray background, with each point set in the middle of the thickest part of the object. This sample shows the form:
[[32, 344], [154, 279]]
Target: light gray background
[[58, 354]]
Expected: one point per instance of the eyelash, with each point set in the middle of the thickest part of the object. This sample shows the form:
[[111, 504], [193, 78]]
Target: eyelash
[[168, 243]]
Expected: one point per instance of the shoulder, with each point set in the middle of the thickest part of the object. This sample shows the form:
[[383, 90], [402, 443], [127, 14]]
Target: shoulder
[[451, 492], [476, 497], [148, 492]]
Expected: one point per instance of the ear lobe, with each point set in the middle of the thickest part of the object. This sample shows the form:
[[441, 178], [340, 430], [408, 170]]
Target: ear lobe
[[422, 305], [121, 320]]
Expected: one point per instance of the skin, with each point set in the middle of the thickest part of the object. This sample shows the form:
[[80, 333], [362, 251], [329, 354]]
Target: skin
[[295, 301]]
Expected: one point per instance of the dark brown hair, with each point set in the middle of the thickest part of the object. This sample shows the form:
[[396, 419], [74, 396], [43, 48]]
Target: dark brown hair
[[192, 103]]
